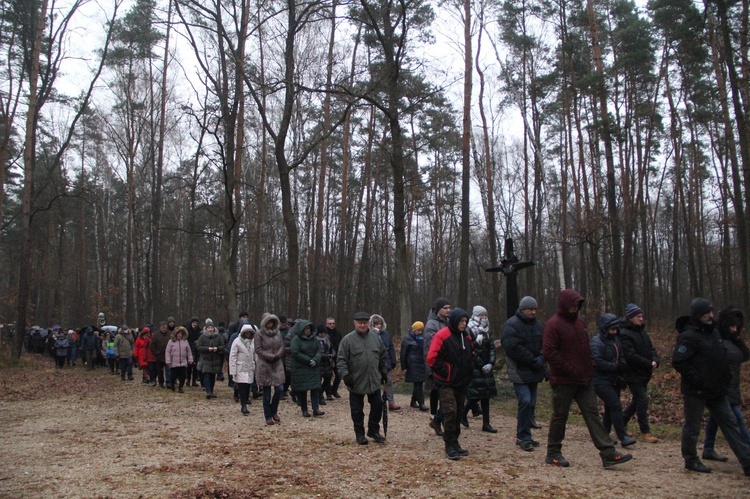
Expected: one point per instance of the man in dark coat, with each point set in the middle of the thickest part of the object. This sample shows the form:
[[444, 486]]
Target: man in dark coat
[[565, 346], [642, 359], [158, 347], [363, 367], [194, 332], [449, 357], [335, 337], [522, 342], [701, 359], [437, 319]]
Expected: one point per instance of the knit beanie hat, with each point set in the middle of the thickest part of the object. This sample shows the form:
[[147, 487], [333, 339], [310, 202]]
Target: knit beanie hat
[[320, 328], [170, 319], [700, 307], [417, 326], [632, 310], [209, 323], [440, 303], [527, 302], [478, 310]]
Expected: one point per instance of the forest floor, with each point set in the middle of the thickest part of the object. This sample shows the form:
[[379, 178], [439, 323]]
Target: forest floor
[[77, 433]]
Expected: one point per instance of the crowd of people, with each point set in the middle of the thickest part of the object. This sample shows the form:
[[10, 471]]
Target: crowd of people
[[450, 361]]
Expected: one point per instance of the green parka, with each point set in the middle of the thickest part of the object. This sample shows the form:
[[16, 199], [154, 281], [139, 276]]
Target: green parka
[[361, 362], [304, 349]]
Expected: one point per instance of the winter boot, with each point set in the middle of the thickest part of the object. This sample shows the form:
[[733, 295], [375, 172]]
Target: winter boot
[[244, 410], [451, 452]]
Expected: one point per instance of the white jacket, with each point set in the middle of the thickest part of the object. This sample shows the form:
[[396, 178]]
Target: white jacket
[[242, 362]]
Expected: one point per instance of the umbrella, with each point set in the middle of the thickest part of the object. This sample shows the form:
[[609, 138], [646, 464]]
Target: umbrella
[[385, 413], [111, 329]]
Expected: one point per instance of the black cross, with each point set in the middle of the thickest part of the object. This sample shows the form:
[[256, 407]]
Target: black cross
[[510, 266]]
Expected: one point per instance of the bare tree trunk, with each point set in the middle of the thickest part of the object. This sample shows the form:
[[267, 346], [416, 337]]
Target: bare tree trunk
[[463, 272]]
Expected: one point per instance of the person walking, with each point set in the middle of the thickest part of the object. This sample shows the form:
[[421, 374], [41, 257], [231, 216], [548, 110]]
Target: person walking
[[362, 364], [642, 359], [124, 342], [701, 359], [326, 363], [61, 349], [450, 358], [412, 364], [335, 337], [178, 356], [378, 326], [565, 346], [609, 366], [522, 342], [437, 319], [210, 346], [306, 356], [269, 366], [242, 365], [482, 383]]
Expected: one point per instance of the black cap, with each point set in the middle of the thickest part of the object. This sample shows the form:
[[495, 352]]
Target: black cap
[[361, 316]]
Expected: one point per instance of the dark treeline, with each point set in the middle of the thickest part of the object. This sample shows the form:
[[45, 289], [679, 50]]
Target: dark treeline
[[307, 158]]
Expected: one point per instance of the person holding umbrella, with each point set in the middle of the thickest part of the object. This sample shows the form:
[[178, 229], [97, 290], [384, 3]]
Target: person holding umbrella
[[361, 363]]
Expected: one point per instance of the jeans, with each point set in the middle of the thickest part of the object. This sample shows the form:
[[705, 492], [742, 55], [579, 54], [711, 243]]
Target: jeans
[[722, 413], [610, 395], [271, 404], [584, 396], [526, 396], [452, 402], [314, 399], [126, 365], [638, 406], [357, 408], [179, 374], [712, 427], [209, 381], [72, 355]]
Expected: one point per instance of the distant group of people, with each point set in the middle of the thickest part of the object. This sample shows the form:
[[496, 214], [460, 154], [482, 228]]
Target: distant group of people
[[449, 359]]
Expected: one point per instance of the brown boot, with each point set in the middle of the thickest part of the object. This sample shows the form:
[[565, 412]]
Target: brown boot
[[648, 438]]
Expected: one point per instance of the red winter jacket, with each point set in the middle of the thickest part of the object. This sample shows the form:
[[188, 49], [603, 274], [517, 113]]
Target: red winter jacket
[[565, 344]]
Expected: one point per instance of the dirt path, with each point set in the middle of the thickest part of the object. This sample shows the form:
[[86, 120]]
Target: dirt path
[[74, 433]]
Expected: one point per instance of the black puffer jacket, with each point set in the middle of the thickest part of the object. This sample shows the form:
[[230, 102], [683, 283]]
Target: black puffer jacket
[[482, 385], [522, 343], [701, 359], [450, 353], [737, 350], [639, 353], [609, 362], [412, 357]]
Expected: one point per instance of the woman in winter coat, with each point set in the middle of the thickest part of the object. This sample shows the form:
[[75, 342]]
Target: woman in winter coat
[[210, 347], [412, 363], [326, 367], [178, 356], [139, 354], [730, 327], [61, 349], [124, 342], [306, 355], [242, 364], [482, 384], [269, 366], [609, 367]]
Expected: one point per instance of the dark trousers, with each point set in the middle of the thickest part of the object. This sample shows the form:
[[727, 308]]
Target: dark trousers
[[638, 406], [126, 367], [179, 374], [336, 378], [326, 386], [712, 428], [209, 381], [357, 408], [314, 399], [159, 372], [60, 360], [610, 395], [193, 374], [243, 391], [89, 358], [271, 404], [526, 396], [721, 412], [417, 393], [584, 396], [452, 403], [474, 404]]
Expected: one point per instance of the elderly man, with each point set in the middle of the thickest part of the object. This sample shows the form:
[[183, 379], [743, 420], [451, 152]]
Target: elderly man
[[361, 363]]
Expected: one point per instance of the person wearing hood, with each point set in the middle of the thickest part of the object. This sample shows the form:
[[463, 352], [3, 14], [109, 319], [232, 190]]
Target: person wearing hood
[[522, 342], [124, 351], [450, 359], [642, 359], [269, 367], [326, 359], [306, 356], [89, 343], [730, 327], [701, 359], [608, 381], [242, 364], [194, 332], [210, 348], [158, 346], [565, 346], [61, 349], [178, 356], [378, 326], [412, 364], [482, 384], [362, 364], [437, 319]]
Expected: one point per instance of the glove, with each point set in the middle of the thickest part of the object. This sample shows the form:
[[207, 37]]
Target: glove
[[313, 363], [487, 368], [348, 381], [384, 379], [539, 362]]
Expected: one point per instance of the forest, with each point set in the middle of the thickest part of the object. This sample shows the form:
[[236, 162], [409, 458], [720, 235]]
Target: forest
[[314, 158]]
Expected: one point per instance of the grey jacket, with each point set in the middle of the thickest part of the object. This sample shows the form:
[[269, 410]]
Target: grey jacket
[[361, 362]]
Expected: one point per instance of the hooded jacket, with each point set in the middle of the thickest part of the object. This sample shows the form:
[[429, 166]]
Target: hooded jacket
[[434, 324], [269, 350], [124, 344], [609, 361], [210, 361], [412, 357], [390, 350], [701, 359], [178, 352], [565, 344], [242, 360], [737, 350], [450, 353], [305, 347]]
